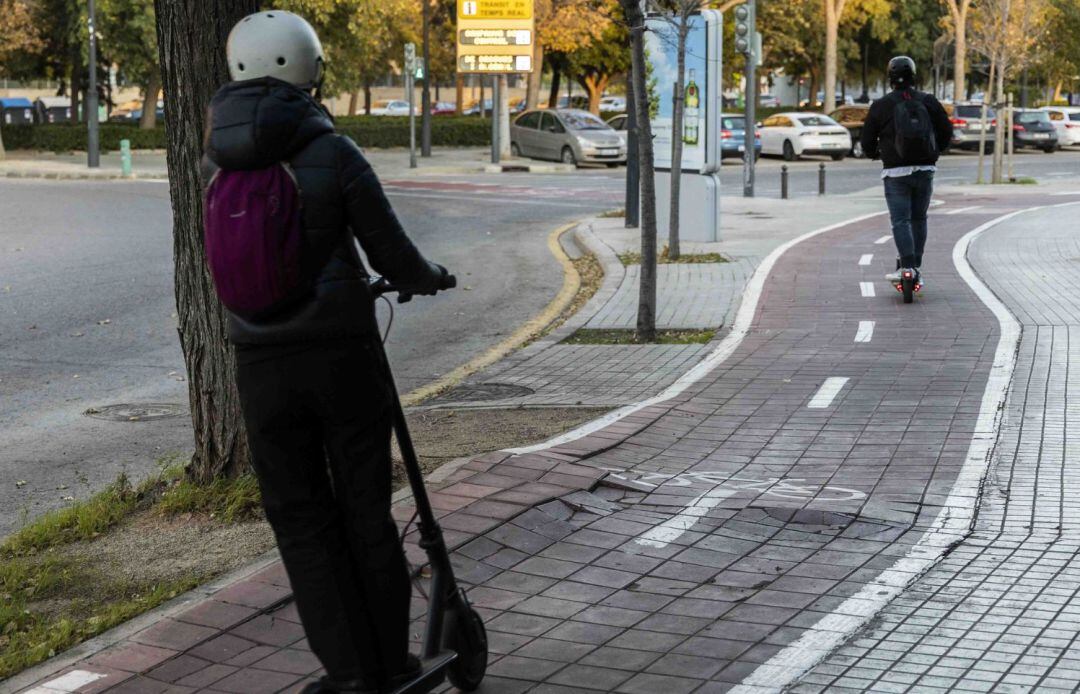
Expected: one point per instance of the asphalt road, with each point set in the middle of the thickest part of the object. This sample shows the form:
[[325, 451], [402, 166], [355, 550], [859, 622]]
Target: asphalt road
[[87, 314]]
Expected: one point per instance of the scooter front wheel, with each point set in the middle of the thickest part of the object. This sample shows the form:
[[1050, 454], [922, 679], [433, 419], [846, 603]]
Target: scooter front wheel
[[467, 636]]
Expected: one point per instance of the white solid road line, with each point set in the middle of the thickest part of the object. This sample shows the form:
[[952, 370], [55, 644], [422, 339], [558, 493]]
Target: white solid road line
[[883, 239], [740, 328], [867, 288], [953, 522], [865, 259], [671, 530], [69, 682], [391, 192], [827, 392], [1068, 192], [865, 332], [962, 210]]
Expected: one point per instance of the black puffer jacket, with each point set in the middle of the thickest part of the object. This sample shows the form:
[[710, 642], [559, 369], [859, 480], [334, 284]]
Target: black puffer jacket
[[878, 128], [257, 123]]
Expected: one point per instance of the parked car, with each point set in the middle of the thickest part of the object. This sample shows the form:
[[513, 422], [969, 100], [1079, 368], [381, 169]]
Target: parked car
[[613, 104], [618, 124], [1067, 121], [391, 107], [1032, 128], [442, 108], [967, 125], [571, 136], [577, 101], [16, 110], [791, 135], [768, 101], [852, 117], [473, 108], [733, 137], [840, 99]]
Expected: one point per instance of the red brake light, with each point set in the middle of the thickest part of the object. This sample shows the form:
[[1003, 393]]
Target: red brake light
[[757, 133], [993, 122], [958, 121], [725, 134], [1018, 127]]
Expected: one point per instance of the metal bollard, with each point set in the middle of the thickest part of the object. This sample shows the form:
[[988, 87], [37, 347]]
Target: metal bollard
[[125, 158], [821, 179], [783, 182]]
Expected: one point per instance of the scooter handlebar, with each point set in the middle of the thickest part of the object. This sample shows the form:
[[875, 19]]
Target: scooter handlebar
[[380, 286]]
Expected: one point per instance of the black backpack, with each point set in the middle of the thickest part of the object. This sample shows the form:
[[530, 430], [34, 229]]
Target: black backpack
[[915, 140]]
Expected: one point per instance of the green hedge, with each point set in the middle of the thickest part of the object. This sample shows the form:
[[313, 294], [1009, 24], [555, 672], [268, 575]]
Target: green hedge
[[368, 131]]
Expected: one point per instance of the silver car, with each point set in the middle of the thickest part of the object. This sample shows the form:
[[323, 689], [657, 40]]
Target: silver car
[[567, 135]]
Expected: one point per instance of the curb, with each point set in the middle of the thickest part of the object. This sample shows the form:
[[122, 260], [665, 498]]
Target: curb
[[64, 176]]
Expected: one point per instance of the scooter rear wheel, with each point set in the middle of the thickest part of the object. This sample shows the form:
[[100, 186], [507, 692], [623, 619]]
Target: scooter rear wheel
[[909, 290], [469, 639]]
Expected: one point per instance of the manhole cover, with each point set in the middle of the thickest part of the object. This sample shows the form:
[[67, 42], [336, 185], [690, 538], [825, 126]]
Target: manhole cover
[[483, 392], [136, 413]]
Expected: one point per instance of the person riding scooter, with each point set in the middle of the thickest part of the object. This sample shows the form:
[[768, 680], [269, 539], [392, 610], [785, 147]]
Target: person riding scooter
[[287, 199]]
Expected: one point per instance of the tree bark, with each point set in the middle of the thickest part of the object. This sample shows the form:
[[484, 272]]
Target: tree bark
[[459, 96], [595, 86], [553, 97], [367, 99], [646, 318], [354, 102], [191, 41], [536, 77], [148, 120], [958, 9], [678, 98], [834, 9]]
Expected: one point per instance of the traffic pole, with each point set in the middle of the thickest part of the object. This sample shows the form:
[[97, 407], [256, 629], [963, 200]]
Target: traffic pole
[[410, 94], [93, 141], [496, 96], [750, 127]]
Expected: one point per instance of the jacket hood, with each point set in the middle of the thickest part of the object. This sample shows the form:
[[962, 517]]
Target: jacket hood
[[256, 123]]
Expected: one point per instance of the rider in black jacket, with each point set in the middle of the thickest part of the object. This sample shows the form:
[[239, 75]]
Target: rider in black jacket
[[315, 400], [909, 181]]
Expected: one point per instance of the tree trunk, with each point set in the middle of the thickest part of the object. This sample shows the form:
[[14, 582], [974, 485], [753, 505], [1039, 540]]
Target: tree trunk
[[3, 154], [148, 121], [811, 96], [459, 95], [553, 96], [367, 99], [678, 98], [76, 81], [960, 53], [354, 102], [594, 85], [832, 26], [646, 318], [480, 103], [191, 40], [536, 77]]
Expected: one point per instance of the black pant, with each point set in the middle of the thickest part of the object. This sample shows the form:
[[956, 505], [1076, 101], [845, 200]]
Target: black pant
[[318, 419], [908, 199]]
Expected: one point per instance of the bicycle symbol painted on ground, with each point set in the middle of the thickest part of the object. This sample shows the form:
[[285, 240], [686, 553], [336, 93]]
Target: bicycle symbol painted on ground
[[784, 488]]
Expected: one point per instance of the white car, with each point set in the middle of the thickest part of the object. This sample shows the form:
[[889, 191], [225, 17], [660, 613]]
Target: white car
[[613, 104], [392, 107], [1067, 121], [791, 135]]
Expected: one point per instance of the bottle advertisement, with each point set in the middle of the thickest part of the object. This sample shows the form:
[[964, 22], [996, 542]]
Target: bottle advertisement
[[662, 55]]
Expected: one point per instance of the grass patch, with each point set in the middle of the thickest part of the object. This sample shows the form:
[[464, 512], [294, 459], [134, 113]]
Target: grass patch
[[612, 214], [76, 572], [1023, 181], [664, 258], [593, 336]]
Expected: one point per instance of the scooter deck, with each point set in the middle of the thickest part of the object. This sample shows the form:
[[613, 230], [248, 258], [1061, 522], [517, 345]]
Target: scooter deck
[[432, 674]]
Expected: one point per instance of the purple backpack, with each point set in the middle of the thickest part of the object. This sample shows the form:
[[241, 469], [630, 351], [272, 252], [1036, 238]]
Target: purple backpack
[[254, 238]]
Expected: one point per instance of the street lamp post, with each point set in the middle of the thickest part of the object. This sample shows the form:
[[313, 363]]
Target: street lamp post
[[93, 149], [425, 98]]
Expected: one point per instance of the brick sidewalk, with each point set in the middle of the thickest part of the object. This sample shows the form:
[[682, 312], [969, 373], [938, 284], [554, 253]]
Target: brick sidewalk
[[739, 519]]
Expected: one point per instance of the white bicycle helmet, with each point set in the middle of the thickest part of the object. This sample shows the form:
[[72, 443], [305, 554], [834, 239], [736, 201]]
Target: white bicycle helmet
[[277, 44]]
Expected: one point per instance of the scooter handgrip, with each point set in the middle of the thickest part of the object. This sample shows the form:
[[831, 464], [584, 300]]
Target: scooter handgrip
[[449, 282]]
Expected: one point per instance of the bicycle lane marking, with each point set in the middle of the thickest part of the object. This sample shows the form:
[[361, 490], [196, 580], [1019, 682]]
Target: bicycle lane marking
[[865, 333], [952, 523]]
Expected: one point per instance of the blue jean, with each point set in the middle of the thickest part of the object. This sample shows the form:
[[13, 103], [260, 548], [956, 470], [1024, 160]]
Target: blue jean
[[908, 199]]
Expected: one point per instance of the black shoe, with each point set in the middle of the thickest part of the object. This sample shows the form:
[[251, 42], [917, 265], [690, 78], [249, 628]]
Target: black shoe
[[329, 686], [413, 667]]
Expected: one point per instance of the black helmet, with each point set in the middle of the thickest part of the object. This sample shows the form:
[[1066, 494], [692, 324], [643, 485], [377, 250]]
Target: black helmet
[[901, 72]]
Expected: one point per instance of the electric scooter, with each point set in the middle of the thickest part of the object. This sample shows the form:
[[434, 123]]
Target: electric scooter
[[909, 284], [455, 646]]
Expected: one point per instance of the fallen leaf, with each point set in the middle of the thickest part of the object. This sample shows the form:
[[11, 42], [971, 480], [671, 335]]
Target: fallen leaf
[[76, 334], [104, 322], [20, 483]]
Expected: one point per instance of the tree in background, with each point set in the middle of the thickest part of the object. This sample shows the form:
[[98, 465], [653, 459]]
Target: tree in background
[[793, 40], [596, 63], [1059, 49], [191, 38], [18, 36], [563, 26], [130, 35], [957, 23]]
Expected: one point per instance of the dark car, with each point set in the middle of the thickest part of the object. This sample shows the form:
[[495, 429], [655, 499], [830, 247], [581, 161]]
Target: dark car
[[968, 128], [852, 117], [733, 137], [1033, 128]]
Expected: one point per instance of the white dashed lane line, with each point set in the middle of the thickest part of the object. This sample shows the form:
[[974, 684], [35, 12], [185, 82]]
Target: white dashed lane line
[[865, 332], [865, 259], [883, 239], [827, 392], [671, 530], [867, 288]]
